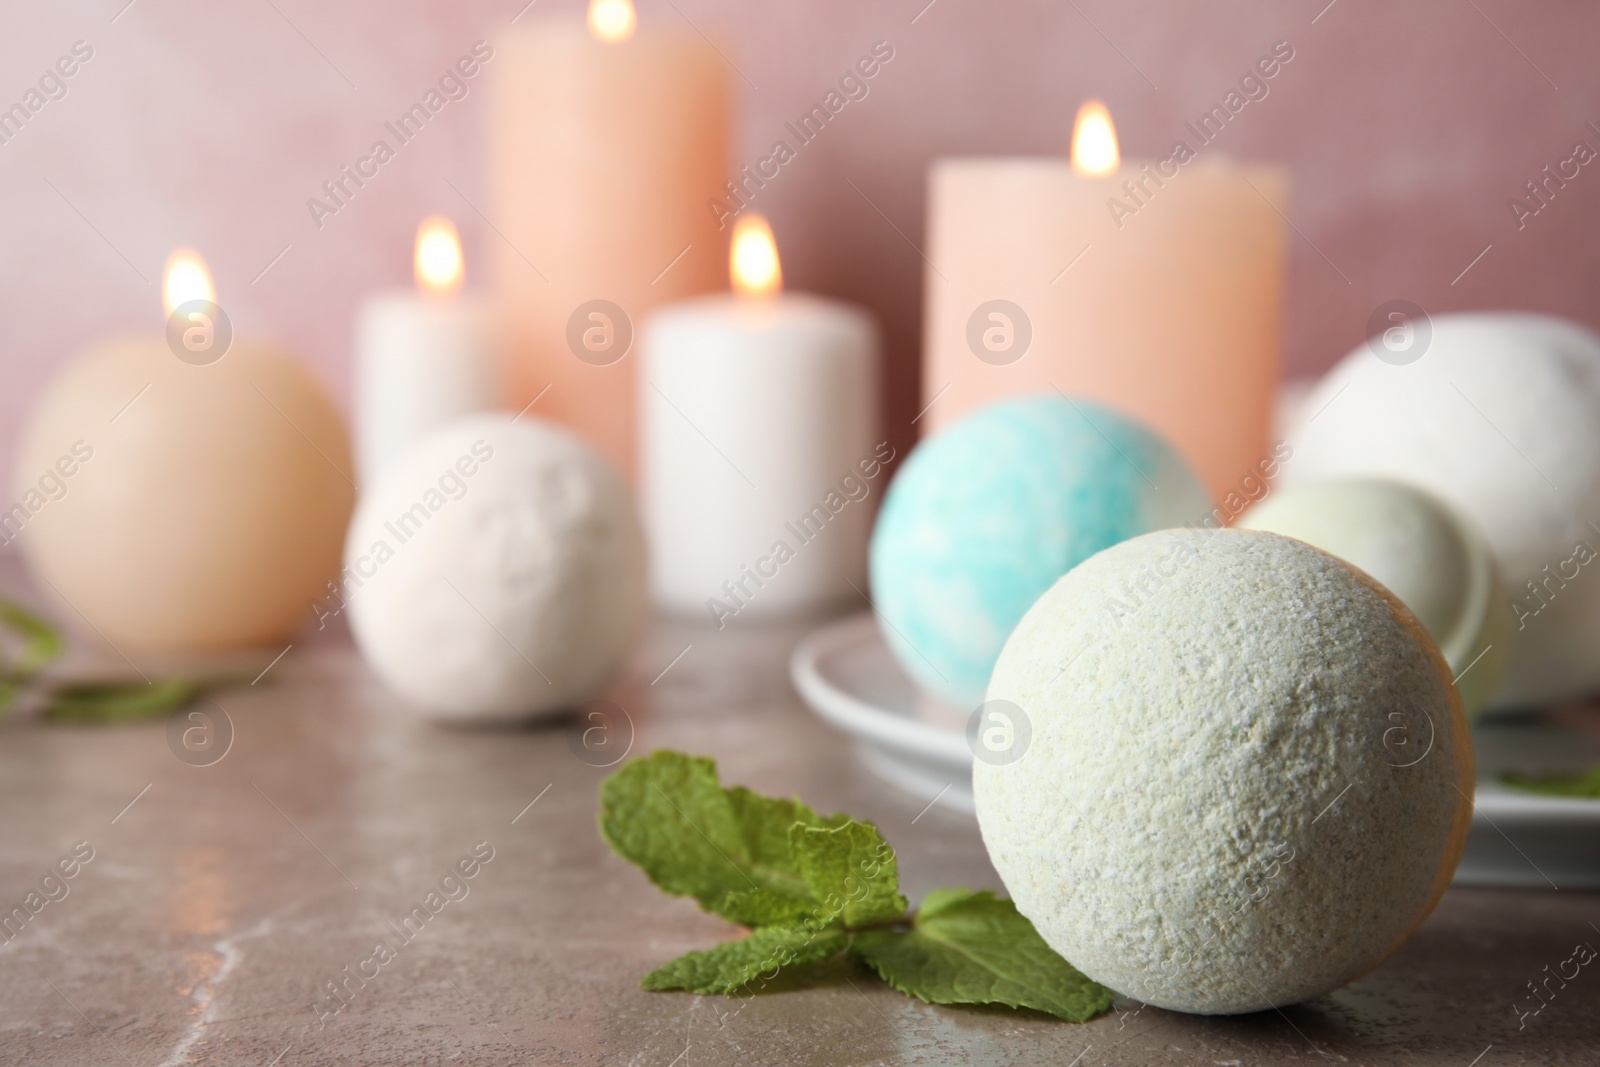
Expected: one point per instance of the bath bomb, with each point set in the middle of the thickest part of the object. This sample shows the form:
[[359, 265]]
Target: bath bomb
[[496, 571], [1500, 418], [1435, 561], [1233, 773], [987, 513], [177, 508]]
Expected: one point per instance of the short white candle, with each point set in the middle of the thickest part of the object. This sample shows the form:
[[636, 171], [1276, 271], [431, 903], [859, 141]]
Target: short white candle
[[423, 357], [760, 459]]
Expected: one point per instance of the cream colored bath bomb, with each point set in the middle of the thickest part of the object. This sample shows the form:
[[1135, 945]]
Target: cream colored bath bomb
[[1422, 551], [1238, 775], [496, 571], [1499, 416], [181, 508]]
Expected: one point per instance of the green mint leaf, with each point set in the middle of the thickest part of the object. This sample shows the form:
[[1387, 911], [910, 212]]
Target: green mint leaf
[[115, 703], [974, 948], [765, 823], [10, 689], [734, 965], [851, 870], [1585, 784], [763, 907], [41, 642], [670, 816]]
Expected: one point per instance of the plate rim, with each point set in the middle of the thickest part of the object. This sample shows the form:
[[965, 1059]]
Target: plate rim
[[868, 722], [856, 716]]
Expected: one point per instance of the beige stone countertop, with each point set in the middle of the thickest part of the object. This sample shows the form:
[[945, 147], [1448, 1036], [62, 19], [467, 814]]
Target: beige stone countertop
[[221, 900]]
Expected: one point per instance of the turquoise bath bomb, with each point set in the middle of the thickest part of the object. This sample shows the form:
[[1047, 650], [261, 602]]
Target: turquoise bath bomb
[[984, 516]]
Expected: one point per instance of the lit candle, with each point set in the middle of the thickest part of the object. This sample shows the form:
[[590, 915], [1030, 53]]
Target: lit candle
[[423, 357], [1155, 288], [606, 148], [186, 493], [760, 460]]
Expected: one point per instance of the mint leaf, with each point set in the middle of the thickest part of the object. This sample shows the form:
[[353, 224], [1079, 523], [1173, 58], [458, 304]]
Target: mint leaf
[[974, 948], [851, 870], [41, 642], [734, 965], [765, 822], [810, 887], [670, 816], [10, 688], [112, 703], [763, 907], [1585, 784], [35, 643]]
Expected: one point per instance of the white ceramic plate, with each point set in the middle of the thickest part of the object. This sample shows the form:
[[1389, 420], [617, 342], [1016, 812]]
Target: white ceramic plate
[[845, 673]]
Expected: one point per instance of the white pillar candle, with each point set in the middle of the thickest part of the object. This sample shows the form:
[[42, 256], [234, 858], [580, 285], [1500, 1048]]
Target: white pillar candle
[[423, 357], [760, 458]]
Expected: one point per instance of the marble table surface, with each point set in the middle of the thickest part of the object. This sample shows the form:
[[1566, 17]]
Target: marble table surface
[[220, 901]]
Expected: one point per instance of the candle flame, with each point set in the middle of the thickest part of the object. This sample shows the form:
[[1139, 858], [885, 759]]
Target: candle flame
[[438, 265], [1094, 142], [753, 261], [185, 278], [612, 21]]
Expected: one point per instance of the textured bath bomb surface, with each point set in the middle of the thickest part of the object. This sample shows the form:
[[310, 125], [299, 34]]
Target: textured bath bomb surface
[[1240, 778], [1500, 418], [986, 514], [501, 571], [1417, 547]]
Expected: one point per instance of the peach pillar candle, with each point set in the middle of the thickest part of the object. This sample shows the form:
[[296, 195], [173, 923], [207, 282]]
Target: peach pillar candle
[[1155, 288], [606, 147]]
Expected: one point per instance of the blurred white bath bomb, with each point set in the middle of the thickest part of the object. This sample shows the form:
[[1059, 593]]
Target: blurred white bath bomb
[[1422, 552], [496, 571], [1500, 418], [184, 508], [1234, 776]]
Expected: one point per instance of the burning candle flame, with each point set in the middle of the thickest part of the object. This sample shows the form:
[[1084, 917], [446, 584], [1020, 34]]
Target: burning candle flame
[[612, 21], [439, 266], [185, 278], [753, 261], [1094, 142]]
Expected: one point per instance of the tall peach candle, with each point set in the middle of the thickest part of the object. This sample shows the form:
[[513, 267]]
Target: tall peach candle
[[1168, 308], [607, 146]]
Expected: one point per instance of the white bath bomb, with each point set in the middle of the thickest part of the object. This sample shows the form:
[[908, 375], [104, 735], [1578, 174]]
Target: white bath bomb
[[1419, 549], [496, 570], [1224, 770], [1500, 418]]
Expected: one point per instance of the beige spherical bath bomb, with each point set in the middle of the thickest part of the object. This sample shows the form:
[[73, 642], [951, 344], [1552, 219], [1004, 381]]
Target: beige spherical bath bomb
[[1422, 551], [1498, 416], [1237, 774], [184, 508], [496, 571]]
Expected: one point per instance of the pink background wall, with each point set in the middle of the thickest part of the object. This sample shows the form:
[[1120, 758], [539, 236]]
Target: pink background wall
[[1406, 129]]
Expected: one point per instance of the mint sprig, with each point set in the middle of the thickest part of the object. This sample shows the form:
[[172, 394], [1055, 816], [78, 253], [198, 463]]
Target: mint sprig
[[38, 642], [1584, 784], [118, 702], [29, 644], [976, 948], [810, 887], [729, 968]]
